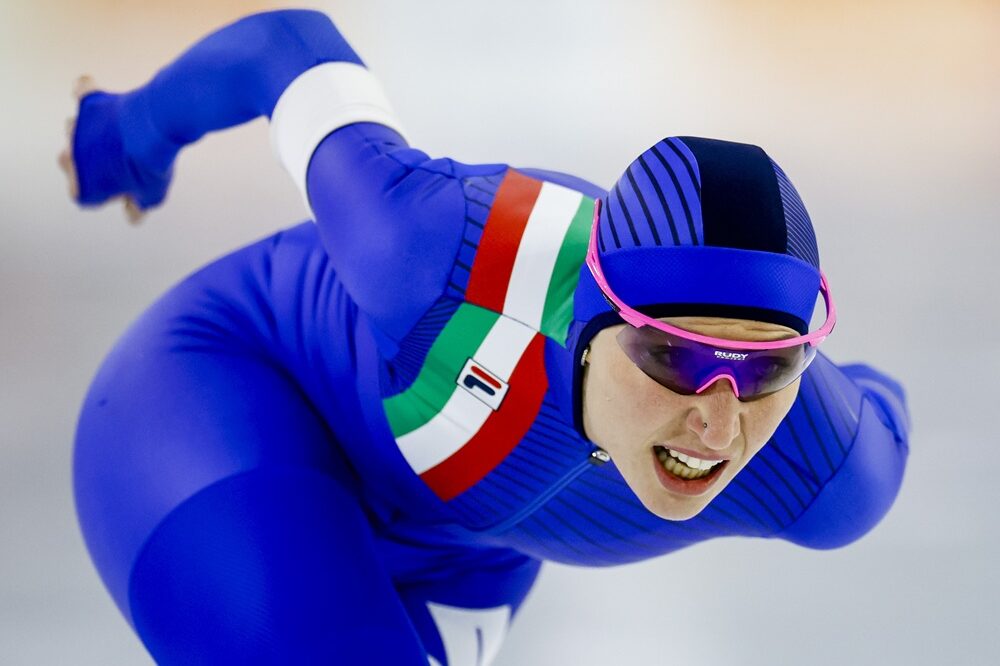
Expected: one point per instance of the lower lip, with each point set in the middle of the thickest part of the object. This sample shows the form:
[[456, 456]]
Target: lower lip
[[692, 487]]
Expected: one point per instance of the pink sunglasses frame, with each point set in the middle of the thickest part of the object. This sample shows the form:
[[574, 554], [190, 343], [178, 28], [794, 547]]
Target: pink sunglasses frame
[[638, 319]]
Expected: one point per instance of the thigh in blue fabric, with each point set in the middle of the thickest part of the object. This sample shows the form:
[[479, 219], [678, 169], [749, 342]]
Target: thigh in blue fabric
[[215, 501]]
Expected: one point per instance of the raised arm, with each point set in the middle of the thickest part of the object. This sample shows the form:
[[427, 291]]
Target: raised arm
[[390, 218], [127, 143], [853, 425]]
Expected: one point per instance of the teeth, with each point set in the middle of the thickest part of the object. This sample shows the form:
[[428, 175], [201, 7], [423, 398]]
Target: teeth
[[678, 468], [684, 466], [691, 461]]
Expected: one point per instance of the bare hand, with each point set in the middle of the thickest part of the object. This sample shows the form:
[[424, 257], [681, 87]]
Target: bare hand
[[84, 85]]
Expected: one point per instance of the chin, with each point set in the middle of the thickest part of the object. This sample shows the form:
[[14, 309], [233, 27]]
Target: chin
[[663, 505], [672, 506], [677, 511]]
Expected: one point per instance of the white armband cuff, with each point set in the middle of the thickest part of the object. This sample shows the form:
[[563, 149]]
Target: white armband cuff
[[322, 99]]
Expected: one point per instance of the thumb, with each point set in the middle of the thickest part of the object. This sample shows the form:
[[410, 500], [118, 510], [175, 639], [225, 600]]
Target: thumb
[[133, 213]]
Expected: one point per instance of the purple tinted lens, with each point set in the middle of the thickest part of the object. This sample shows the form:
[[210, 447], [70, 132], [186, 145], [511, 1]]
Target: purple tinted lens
[[684, 366]]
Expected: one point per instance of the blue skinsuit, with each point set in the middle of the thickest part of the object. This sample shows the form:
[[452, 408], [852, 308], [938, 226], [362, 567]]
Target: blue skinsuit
[[238, 482]]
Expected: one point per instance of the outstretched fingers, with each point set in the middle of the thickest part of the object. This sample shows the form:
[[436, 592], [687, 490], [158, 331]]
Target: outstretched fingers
[[83, 85], [66, 160]]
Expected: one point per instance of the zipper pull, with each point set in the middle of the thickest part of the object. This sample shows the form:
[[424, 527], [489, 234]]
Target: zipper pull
[[599, 457]]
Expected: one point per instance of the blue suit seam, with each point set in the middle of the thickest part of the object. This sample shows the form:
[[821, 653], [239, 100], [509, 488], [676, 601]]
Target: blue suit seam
[[141, 551]]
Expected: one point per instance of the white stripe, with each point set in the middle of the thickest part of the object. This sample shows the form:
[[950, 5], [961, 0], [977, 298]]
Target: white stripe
[[322, 99], [432, 443], [537, 253], [463, 415], [503, 346], [470, 633]]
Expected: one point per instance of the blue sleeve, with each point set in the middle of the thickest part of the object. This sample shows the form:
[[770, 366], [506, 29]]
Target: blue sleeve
[[391, 221], [390, 218], [864, 486], [126, 143]]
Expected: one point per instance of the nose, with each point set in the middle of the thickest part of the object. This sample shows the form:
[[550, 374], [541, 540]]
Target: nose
[[716, 405]]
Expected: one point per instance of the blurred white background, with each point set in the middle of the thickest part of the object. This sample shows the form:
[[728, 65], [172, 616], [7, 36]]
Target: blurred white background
[[884, 115]]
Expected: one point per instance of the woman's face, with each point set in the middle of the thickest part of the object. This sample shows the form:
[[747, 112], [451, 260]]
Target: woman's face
[[637, 420]]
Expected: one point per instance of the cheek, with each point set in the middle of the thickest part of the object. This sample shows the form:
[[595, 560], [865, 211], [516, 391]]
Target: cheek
[[626, 387], [639, 403], [625, 406]]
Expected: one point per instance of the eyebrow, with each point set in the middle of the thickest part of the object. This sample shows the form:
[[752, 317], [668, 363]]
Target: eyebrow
[[769, 332], [769, 337]]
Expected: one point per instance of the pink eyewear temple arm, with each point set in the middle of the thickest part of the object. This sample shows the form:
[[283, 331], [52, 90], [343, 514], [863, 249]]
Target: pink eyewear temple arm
[[638, 319]]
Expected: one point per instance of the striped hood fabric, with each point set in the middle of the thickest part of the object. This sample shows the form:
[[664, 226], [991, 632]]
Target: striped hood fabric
[[690, 191], [706, 227]]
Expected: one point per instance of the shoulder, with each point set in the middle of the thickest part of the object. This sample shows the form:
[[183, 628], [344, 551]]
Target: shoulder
[[524, 241]]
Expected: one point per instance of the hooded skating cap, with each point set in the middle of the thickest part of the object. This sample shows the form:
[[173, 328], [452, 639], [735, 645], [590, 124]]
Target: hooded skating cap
[[706, 227]]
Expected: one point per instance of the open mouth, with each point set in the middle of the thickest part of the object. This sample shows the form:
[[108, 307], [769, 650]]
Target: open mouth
[[685, 473], [684, 466]]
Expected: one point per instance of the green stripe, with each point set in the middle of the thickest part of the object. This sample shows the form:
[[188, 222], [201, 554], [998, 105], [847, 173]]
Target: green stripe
[[455, 344], [558, 311]]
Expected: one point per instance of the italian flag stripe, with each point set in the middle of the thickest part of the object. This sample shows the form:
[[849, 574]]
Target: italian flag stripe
[[494, 262], [433, 387], [462, 415], [500, 433], [520, 291], [537, 252], [558, 312]]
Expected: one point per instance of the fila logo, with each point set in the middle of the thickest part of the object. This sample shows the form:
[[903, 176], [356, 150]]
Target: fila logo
[[482, 384], [731, 356]]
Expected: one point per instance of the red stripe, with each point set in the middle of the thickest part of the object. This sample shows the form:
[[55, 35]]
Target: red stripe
[[485, 377], [505, 225], [500, 433]]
